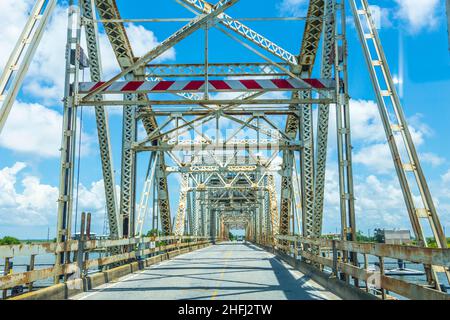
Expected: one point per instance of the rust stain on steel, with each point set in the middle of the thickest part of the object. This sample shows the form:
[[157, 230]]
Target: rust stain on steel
[[411, 290], [431, 256], [15, 279], [36, 249]]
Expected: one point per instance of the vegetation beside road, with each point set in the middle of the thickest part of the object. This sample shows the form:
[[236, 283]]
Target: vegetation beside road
[[7, 240]]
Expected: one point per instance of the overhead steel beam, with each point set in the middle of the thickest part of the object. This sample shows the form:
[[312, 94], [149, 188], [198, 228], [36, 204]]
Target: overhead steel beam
[[247, 85], [214, 70], [277, 102]]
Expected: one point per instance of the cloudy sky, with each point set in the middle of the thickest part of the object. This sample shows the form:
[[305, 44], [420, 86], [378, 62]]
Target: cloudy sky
[[415, 39]]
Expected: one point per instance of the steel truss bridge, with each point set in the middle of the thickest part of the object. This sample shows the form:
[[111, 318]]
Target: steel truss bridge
[[265, 175]]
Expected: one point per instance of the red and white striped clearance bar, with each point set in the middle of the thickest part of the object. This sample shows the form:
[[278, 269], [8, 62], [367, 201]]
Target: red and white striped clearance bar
[[214, 86]]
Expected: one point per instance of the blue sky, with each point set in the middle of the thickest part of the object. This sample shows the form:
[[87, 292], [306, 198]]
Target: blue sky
[[414, 35]]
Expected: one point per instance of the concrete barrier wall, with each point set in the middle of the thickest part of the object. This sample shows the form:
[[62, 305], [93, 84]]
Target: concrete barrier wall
[[70, 288]]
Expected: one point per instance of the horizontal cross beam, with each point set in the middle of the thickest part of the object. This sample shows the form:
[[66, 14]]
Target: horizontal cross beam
[[121, 87], [214, 70], [273, 102]]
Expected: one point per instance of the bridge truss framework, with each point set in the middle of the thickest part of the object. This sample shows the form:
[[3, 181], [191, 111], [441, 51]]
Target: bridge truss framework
[[267, 175]]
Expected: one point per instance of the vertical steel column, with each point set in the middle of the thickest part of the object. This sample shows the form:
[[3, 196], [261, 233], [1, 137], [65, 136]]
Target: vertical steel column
[[307, 166], [308, 53], [212, 223], [68, 142], [323, 119], [273, 207], [198, 214], [262, 217], [347, 198], [144, 202], [163, 196], [193, 222], [348, 231], [267, 213], [128, 169], [205, 213], [101, 116], [286, 189], [188, 219], [182, 204]]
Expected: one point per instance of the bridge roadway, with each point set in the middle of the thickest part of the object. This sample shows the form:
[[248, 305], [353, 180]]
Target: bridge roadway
[[224, 271]]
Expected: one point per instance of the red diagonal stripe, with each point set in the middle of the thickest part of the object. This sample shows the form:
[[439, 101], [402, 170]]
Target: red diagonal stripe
[[163, 85], [220, 85], [132, 86], [251, 84], [282, 84], [194, 85], [98, 84], [314, 83]]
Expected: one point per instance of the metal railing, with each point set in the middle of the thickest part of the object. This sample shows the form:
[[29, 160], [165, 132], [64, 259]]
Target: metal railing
[[77, 260], [333, 258]]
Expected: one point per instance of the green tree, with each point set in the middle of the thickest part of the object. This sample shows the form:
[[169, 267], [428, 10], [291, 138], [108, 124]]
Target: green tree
[[9, 240], [231, 236], [432, 243], [379, 235], [362, 238], [154, 233]]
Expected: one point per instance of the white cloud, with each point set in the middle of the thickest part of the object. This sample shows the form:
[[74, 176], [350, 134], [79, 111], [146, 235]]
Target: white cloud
[[420, 14], [446, 177], [381, 16], [143, 40], [92, 198], [365, 121], [25, 201], [376, 157], [432, 159], [369, 139], [293, 7], [35, 205], [378, 202], [34, 129]]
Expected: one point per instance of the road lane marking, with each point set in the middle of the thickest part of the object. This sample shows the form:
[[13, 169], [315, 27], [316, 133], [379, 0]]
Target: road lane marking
[[222, 274], [110, 285]]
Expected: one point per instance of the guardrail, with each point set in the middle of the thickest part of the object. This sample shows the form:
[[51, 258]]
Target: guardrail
[[77, 260], [333, 254]]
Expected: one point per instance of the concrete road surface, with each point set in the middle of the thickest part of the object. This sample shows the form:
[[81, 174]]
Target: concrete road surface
[[224, 271]]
